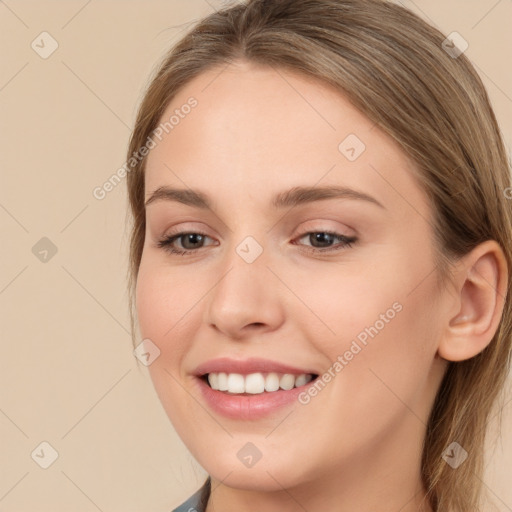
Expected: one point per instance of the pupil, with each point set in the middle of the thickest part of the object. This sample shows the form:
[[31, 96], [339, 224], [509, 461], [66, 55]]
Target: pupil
[[192, 237], [325, 238]]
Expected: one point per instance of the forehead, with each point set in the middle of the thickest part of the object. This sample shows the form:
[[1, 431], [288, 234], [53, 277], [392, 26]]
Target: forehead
[[258, 130]]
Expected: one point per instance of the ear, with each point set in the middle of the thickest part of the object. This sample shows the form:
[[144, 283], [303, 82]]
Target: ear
[[480, 278]]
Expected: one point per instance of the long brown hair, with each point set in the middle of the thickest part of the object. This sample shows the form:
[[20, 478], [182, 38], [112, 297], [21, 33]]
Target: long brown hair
[[393, 67]]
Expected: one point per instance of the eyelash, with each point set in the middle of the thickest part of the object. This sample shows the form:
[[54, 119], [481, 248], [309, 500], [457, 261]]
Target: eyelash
[[166, 243]]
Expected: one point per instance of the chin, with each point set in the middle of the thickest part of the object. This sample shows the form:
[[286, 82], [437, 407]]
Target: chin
[[269, 476]]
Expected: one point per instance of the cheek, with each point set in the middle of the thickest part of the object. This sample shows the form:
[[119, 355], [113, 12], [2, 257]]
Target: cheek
[[393, 332], [165, 309], [344, 304], [166, 301], [382, 323]]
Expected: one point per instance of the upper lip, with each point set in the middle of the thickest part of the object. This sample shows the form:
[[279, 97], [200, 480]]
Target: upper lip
[[247, 366]]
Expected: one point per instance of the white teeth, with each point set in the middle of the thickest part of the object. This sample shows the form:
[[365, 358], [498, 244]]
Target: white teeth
[[272, 382], [222, 381], [287, 381], [236, 383], [213, 379], [302, 379], [256, 383]]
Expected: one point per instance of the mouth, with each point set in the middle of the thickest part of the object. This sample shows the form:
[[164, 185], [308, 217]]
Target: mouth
[[255, 383], [252, 389]]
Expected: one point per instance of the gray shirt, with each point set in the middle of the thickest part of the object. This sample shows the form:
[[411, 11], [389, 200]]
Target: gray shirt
[[195, 503]]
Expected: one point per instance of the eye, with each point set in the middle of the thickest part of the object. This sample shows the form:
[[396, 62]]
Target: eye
[[322, 241], [190, 242]]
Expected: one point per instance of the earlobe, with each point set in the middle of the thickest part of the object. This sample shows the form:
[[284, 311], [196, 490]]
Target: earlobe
[[481, 278]]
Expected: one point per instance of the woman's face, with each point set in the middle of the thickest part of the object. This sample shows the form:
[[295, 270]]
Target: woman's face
[[339, 284]]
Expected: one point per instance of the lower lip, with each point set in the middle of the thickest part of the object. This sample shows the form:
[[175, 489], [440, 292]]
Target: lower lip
[[249, 407]]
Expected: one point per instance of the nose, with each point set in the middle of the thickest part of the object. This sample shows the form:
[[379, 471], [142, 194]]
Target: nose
[[246, 300]]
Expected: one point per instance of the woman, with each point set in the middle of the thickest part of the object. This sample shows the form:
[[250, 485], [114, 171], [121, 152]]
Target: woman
[[320, 258]]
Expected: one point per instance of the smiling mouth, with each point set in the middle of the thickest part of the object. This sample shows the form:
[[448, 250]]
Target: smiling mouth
[[255, 383]]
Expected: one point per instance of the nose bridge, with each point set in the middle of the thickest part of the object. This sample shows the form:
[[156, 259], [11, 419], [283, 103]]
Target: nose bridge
[[245, 293]]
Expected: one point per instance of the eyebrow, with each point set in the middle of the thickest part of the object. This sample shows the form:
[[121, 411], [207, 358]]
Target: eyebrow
[[289, 198]]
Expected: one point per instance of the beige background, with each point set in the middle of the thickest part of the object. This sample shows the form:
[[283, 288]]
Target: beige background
[[67, 372]]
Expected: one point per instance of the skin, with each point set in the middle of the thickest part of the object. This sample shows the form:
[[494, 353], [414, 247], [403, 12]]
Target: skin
[[357, 445]]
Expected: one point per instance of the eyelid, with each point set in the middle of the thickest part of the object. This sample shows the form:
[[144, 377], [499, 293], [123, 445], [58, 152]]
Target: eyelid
[[172, 236], [326, 225], [345, 242], [323, 229]]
